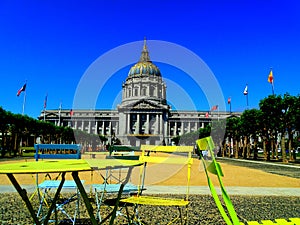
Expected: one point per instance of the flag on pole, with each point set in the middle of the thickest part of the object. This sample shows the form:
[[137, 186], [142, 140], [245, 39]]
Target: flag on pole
[[23, 88], [206, 114], [71, 112], [229, 100], [45, 101], [215, 107], [270, 77], [246, 90]]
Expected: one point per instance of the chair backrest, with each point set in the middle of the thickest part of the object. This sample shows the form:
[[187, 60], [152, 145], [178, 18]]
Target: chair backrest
[[57, 151], [206, 143], [158, 154], [214, 167]]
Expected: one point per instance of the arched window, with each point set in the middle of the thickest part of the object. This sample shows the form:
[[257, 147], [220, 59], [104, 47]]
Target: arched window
[[144, 91], [152, 89], [136, 91]]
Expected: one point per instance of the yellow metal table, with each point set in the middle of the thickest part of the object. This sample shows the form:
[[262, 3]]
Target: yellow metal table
[[63, 166]]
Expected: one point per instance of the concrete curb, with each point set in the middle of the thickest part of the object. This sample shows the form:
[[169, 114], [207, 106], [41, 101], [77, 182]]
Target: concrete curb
[[204, 190], [197, 190]]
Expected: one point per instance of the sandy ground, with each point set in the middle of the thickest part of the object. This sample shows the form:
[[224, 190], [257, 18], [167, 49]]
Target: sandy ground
[[174, 175]]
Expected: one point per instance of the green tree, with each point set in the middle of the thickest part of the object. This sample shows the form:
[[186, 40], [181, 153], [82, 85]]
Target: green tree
[[4, 129], [233, 134], [271, 108], [218, 128], [250, 127], [290, 116]]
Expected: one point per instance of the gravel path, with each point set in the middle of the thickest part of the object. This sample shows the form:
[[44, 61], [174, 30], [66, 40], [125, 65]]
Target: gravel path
[[202, 210]]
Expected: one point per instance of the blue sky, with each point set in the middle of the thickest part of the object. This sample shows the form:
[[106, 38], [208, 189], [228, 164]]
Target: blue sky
[[51, 44]]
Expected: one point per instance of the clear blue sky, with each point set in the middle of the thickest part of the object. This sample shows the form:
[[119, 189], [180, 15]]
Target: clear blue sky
[[52, 43]]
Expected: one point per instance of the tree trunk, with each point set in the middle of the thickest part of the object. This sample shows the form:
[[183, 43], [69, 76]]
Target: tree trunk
[[223, 147], [284, 159], [276, 147], [244, 148], [290, 147], [272, 148], [248, 147], [255, 149], [236, 149], [265, 150], [16, 144], [223, 152]]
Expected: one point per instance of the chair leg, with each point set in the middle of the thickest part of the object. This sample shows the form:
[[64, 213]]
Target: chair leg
[[134, 218], [127, 215]]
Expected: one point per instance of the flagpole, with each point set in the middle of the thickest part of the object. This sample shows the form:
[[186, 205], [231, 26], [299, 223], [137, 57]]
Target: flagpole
[[24, 101], [59, 111], [229, 102], [272, 83], [44, 113], [45, 106], [246, 93], [271, 80], [23, 110]]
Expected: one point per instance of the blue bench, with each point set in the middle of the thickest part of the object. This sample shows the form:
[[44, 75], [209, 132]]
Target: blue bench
[[57, 151], [114, 188]]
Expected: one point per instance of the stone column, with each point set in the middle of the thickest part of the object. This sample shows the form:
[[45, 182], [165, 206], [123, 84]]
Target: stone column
[[96, 128], [89, 127], [82, 125], [182, 128], [156, 131], [166, 130], [147, 125], [103, 128], [128, 123], [116, 128], [137, 128], [161, 128]]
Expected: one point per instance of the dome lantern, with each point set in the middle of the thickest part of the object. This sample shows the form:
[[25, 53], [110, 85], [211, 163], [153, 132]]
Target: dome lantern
[[145, 53]]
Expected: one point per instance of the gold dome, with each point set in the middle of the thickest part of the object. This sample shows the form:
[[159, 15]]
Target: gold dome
[[144, 68]]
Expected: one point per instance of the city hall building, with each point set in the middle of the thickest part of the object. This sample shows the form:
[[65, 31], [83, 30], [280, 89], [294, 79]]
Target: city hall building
[[143, 116]]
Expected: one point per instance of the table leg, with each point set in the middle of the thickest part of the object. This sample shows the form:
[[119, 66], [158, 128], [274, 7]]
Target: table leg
[[53, 204], [113, 216], [23, 194], [84, 197]]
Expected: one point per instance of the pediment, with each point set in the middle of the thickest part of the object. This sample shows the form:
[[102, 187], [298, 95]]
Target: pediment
[[143, 104], [51, 114]]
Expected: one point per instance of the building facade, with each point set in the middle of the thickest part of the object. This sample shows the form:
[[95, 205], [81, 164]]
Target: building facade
[[143, 116]]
